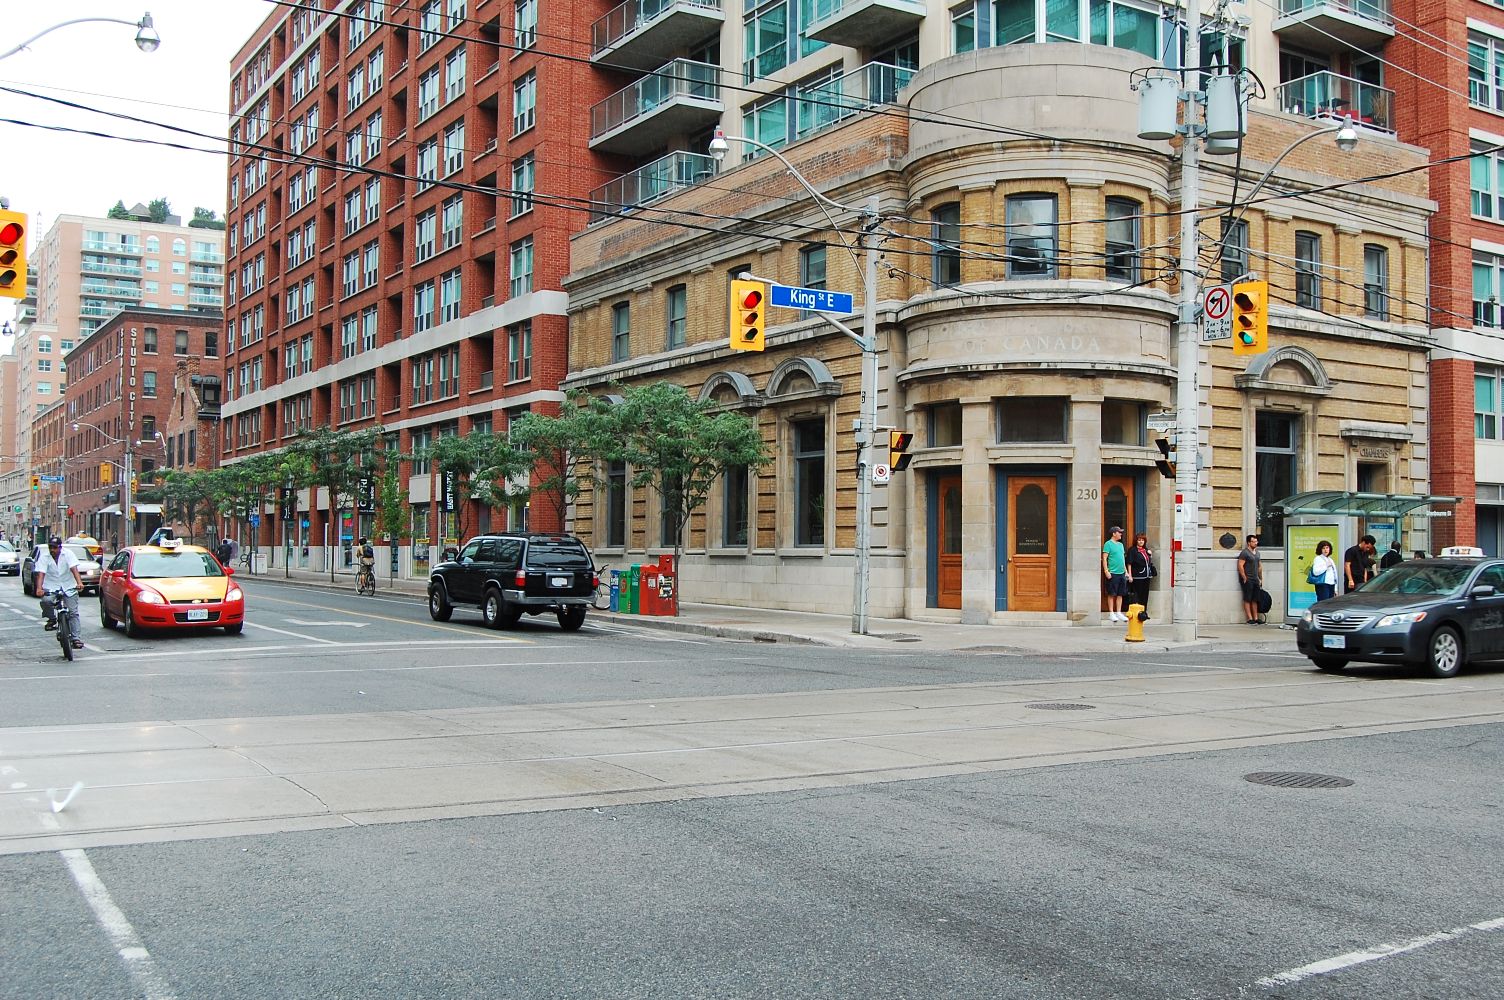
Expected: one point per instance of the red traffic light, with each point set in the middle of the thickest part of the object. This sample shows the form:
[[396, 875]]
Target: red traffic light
[[11, 232], [752, 299]]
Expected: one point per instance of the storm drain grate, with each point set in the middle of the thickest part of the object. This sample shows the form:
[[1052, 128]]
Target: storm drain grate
[[1061, 706], [1297, 779]]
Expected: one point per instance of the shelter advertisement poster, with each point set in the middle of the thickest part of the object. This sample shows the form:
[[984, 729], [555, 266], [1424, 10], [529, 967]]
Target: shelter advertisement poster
[[1300, 549]]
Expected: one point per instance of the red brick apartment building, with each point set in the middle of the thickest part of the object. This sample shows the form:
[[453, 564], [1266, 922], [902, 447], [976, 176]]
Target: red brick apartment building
[[403, 184], [1448, 59], [120, 386]]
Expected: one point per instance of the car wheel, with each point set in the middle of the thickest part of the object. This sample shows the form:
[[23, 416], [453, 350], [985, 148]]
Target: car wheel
[[571, 618], [104, 614], [235, 629], [439, 608], [128, 619], [496, 612], [1444, 652], [1331, 664]]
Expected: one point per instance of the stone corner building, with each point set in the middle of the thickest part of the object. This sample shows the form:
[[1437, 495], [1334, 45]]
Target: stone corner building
[[1025, 329]]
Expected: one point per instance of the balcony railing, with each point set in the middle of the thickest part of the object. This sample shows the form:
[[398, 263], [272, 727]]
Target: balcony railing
[[863, 23], [1317, 24], [1373, 10], [205, 299], [98, 310], [97, 267], [678, 82], [112, 291], [648, 183], [1332, 96], [206, 257], [824, 105], [104, 246], [205, 278], [642, 33]]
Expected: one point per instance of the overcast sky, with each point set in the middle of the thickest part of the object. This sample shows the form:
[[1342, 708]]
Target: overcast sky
[[185, 83]]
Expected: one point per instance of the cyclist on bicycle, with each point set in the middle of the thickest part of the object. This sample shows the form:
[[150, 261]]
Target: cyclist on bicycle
[[57, 570], [367, 558]]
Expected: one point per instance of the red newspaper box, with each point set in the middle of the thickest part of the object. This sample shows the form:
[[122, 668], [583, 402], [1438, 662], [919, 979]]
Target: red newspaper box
[[668, 586], [649, 589]]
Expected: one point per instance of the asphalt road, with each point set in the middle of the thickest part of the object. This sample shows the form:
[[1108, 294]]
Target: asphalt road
[[1159, 877]]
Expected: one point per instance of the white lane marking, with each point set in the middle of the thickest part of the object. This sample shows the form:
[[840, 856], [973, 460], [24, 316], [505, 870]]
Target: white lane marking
[[14, 628], [1329, 965], [295, 635], [299, 621], [138, 961], [484, 665]]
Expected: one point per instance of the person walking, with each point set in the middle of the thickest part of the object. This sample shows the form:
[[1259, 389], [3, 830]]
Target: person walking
[[1357, 564], [1141, 570], [1251, 578], [1115, 569], [1324, 571]]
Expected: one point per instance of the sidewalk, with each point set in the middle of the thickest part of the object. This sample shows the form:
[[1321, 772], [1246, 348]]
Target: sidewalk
[[768, 625]]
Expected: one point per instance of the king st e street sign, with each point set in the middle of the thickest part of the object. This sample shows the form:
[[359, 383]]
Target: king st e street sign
[[810, 299]]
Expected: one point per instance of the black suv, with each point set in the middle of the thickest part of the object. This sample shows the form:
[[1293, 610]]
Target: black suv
[[506, 575]]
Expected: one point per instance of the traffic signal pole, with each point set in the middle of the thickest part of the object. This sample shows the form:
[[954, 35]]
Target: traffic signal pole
[[1185, 599], [866, 430]]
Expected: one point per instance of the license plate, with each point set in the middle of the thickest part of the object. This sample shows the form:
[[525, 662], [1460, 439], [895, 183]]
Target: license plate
[[558, 581], [198, 615], [1334, 642]]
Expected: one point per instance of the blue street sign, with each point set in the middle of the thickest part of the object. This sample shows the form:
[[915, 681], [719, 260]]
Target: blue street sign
[[812, 299], [51, 479], [255, 520]]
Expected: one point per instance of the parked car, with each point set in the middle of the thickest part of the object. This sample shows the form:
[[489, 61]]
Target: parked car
[[1438, 614], [87, 541], [88, 569], [10, 559], [512, 574], [171, 585]]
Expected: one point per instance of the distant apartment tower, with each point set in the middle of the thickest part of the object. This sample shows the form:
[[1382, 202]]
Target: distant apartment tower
[[403, 184]]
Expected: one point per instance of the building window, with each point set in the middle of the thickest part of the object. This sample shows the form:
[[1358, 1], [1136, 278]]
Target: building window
[[454, 74], [945, 425], [963, 28], [180, 344], [812, 267], [1032, 418], [453, 221], [1276, 458], [677, 307], [1307, 270], [211, 343], [945, 232], [1375, 281], [809, 482], [454, 147], [767, 121], [524, 102], [521, 267], [616, 505], [450, 295], [1487, 169], [621, 331], [734, 485], [423, 307], [149, 341], [149, 385], [1030, 221], [525, 30], [428, 94], [1124, 422], [520, 351], [44, 345], [428, 164], [1234, 251], [1486, 281], [523, 179], [349, 336], [1123, 240], [1486, 404], [1485, 71], [423, 235]]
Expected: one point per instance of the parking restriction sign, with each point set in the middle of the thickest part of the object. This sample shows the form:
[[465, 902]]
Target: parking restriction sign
[[1216, 313]]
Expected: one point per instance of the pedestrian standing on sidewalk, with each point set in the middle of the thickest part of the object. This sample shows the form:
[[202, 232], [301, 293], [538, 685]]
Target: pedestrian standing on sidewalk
[[1141, 570], [1115, 569], [1357, 564], [1324, 571], [1251, 578]]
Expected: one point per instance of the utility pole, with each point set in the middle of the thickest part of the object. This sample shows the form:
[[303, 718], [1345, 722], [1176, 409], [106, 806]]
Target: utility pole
[[866, 431]]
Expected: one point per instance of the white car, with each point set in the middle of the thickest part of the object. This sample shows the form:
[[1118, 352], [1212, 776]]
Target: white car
[[10, 559]]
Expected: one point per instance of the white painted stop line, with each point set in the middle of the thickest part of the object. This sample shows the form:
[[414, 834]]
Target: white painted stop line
[[1329, 965]]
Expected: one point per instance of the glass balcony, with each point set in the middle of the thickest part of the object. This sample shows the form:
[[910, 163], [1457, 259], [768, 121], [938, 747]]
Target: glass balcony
[[206, 257], [1330, 96], [648, 183], [822, 106], [102, 265], [205, 278], [132, 292], [206, 299], [864, 23], [1322, 25], [641, 34], [104, 246], [97, 310], [680, 97]]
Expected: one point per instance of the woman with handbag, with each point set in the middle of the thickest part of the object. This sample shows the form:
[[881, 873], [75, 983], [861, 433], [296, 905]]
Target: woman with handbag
[[1323, 572], [1141, 570]]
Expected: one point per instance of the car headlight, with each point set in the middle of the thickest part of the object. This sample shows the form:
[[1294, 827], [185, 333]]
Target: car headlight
[[1308, 617], [1403, 618], [150, 597], [234, 594]]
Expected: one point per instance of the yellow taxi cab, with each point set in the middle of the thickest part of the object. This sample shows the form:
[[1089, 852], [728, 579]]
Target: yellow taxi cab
[[170, 585], [87, 541]]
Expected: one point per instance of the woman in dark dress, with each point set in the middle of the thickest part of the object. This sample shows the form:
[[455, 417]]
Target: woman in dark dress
[[1141, 570]]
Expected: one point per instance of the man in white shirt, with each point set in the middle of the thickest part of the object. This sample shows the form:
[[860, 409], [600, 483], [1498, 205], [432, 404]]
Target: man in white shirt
[[57, 569]]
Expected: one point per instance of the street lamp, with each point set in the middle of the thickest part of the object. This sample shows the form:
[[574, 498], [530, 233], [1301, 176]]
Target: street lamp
[[125, 479], [147, 38], [866, 424], [1186, 597]]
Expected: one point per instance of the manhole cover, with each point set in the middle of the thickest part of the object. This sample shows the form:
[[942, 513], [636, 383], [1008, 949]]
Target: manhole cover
[[1297, 779], [1061, 706]]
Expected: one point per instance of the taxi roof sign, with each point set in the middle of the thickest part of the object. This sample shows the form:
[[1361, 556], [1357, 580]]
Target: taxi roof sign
[[1462, 550]]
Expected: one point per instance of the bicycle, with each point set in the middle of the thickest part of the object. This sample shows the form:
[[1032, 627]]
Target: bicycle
[[57, 602], [602, 599], [365, 579]]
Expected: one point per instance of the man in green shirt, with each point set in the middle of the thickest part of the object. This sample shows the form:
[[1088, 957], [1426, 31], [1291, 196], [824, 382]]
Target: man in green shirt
[[1115, 569]]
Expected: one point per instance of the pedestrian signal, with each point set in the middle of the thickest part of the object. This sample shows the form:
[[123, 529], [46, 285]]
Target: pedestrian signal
[[898, 450], [1166, 462]]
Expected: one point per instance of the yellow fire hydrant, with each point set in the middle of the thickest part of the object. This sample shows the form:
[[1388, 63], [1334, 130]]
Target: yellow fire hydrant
[[1136, 619]]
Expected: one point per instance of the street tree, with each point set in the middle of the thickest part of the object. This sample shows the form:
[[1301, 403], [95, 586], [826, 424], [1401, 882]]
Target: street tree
[[568, 450], [393, 517], [336, 460], [679, 446]]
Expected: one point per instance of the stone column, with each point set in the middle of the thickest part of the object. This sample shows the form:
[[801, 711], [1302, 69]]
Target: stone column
[[979, 555], [1083, 509]]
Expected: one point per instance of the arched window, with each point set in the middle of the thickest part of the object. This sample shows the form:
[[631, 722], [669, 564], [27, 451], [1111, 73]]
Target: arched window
[[153, 245], [179, 247]]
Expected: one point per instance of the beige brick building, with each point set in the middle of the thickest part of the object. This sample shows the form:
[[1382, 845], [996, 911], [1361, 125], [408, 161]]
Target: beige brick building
[[1025, 328]]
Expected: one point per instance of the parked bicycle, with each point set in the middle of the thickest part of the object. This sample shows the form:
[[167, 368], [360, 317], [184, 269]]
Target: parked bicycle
[[60, 614], [602, 599]]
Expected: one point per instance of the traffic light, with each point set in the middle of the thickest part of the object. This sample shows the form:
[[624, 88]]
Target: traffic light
[[1166, 462], [12, 254], [106, 473], [36, 482], [747, 315], [898, 450], [134, 484], [1250, 317]]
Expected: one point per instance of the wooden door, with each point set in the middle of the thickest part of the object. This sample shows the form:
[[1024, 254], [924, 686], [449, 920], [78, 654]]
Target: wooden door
[[948, 543], [1119, 501], [1032, 543]]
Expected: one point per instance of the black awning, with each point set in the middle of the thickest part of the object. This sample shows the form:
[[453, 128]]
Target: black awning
[[1348, 504]]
